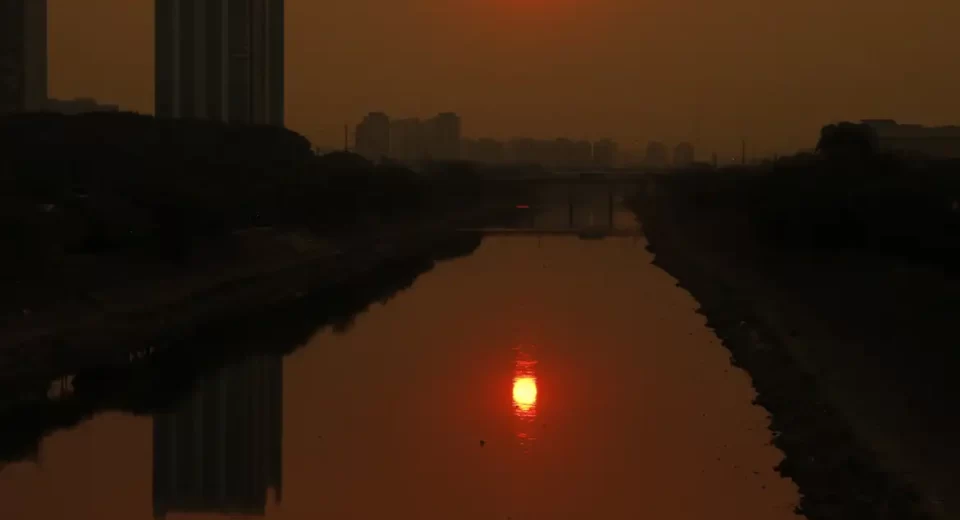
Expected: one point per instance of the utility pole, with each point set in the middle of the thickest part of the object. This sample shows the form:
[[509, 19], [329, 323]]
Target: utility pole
[[251, 62], [696, 130], [743, 151], [346, 138]]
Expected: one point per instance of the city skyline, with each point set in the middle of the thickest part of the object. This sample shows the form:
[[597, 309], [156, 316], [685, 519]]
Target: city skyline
[[648, 71]]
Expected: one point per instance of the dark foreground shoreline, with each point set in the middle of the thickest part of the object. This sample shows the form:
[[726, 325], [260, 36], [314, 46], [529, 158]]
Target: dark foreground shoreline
[[154, 377], [838, 476], [32, 356]]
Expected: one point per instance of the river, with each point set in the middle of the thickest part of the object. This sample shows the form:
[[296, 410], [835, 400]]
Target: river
[[541, 377]]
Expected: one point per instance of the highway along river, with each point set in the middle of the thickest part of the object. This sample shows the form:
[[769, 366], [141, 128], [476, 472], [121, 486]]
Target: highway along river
[[541, 377]]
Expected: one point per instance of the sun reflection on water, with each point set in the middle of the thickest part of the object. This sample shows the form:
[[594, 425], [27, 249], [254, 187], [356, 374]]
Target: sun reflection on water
[[525, 394]]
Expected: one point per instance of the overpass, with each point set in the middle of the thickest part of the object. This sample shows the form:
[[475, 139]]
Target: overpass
[[573, 178], [582, 233]]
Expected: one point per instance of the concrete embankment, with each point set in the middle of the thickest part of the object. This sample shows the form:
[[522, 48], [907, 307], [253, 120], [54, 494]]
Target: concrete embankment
[[107, 326], [854, 444]]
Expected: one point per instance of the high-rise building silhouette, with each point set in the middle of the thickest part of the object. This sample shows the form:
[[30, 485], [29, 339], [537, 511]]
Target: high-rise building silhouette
[[656, 155], [443, 136], [372, 136], [605, 153], [683, 154], [489, 151], [408, 140], [23, 55], [220, 450], [220, 59]]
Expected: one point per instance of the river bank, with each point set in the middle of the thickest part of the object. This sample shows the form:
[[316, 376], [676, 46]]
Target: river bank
[[843, 352], [254, 270], [156, 376], [124, 231]]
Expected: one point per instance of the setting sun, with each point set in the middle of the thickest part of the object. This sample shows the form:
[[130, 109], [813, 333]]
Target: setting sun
[[525, 392]]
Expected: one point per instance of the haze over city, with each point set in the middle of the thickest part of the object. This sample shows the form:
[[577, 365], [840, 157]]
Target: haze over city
[[479, 259], [625, 69]]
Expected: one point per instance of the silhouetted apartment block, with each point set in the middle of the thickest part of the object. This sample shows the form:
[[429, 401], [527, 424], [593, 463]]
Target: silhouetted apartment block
[[220, 59], [372, 136], [582, 155], [939, 141], [408, 140], [23, 55], [443, 137], [683, 154], [220, 450], [656, 154], [525, 150], [604, 153], [487, 151]]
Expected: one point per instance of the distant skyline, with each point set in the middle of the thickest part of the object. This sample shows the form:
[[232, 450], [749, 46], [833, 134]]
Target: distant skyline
[[633, 71]]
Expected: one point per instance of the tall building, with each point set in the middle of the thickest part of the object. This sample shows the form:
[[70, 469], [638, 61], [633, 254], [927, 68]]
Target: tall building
[[408, 141], [220, 59], [656, 155], [220, 450], [582, 154], [488, 151], [604, 154], [443, 137], [372, 136], [23, 55], [525, 150], [683, 154]]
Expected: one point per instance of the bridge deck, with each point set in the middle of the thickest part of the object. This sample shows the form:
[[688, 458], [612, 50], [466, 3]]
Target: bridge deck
[[570, 179], [557, 231]]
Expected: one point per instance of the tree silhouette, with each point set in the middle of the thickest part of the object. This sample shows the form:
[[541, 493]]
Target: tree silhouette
[[845, 141]]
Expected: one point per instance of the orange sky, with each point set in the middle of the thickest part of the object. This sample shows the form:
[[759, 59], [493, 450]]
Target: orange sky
[[633, 70]]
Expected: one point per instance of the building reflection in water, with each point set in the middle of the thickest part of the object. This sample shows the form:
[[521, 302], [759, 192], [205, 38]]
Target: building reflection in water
[[525, 394], [219, 450]]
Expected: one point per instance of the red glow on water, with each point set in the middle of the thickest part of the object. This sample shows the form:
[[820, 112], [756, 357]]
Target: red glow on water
[[523, 206]]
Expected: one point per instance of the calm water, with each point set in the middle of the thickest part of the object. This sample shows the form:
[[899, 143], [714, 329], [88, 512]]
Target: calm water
[[539, 378]]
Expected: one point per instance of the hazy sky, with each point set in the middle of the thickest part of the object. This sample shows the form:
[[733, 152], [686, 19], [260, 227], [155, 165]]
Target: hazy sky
[[633, 70]]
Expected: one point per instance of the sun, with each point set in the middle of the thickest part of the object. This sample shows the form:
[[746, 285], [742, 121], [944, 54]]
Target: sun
[[525, 392]]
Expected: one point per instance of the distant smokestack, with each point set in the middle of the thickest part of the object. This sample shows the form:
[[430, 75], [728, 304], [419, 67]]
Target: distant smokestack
[[346, 138], [743, 151]]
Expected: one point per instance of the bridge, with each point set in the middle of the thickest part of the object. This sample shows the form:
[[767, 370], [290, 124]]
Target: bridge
[[570, 178], [581, 233]]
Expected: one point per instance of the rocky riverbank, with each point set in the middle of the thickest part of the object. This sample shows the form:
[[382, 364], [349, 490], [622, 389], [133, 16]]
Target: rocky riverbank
[[864, 433]]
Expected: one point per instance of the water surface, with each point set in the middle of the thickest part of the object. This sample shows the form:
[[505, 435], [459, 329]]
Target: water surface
[[539, 378]]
